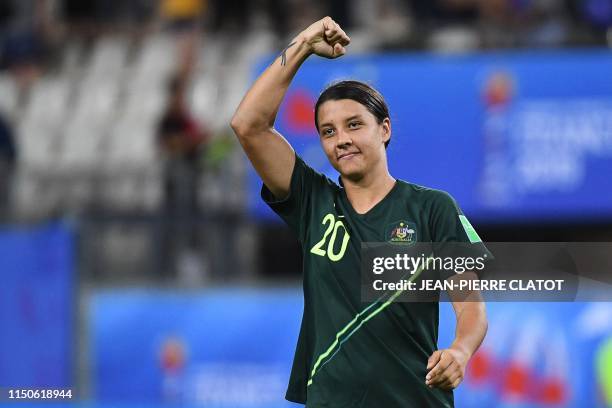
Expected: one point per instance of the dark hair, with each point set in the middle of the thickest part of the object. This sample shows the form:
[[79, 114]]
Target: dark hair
[[359, 92]]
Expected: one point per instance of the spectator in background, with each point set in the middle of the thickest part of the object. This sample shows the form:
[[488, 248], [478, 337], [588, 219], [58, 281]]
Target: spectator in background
[[8, 158], [183, 14], [179, 134], [182, 142], [183, 18], [28, 35]]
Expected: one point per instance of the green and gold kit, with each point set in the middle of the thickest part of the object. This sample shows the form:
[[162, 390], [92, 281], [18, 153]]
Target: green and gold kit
[[352, 353]]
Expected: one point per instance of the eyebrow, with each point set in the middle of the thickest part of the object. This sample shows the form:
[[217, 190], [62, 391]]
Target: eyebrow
[[358, 116]]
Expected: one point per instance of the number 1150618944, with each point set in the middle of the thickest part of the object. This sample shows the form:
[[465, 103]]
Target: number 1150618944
[[16, 394]]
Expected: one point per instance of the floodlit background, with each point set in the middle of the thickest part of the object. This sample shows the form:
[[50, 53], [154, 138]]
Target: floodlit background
[[139, 266]]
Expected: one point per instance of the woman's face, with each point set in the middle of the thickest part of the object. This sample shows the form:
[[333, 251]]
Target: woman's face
[[352, 139]]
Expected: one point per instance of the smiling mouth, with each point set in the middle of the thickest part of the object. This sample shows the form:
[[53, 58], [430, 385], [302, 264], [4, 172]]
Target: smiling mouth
[[347, 155]]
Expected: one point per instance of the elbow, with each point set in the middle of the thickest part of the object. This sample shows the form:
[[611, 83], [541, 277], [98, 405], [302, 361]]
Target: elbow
[[245, 127], [238, 125]]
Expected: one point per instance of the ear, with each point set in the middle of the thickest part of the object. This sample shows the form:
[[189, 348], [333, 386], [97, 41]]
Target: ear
[[386, 126]]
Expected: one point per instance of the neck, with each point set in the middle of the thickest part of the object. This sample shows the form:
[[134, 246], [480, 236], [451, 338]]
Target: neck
[[368, 191]]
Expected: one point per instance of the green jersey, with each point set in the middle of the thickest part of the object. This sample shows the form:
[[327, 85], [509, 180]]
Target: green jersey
[[350, 353]]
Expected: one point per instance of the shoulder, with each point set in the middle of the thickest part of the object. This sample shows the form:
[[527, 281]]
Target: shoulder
[[317, 179], [427, 196]]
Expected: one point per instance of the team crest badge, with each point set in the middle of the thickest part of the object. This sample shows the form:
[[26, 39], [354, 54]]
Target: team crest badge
[[402, 232]]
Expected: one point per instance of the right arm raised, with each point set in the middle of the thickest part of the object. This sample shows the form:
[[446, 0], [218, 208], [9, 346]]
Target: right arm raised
[[253, 121]]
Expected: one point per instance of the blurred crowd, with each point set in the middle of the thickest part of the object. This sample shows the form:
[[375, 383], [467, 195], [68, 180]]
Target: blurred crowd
[[510, 23], [31, 31]]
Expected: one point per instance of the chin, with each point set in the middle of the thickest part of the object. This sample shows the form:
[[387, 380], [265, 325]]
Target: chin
[[352, 174], [349, 170]]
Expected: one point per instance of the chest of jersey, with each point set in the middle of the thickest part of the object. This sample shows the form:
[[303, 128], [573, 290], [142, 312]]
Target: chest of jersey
[[336, 231]]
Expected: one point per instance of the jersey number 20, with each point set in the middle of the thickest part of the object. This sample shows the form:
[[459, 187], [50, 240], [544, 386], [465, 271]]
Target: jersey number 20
[[332, 228]]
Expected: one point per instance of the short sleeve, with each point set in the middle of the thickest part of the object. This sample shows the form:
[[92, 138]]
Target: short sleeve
[[294, 208], [452, 233]]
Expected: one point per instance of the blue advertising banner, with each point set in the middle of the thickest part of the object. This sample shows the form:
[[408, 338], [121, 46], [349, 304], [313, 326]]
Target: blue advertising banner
[[234, 348], [220, 348], [512, 136], [36, 307], [538, 355]]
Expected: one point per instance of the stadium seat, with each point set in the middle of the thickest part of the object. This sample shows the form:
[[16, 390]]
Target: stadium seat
[[48, 103], [108, 56], [8, 94]]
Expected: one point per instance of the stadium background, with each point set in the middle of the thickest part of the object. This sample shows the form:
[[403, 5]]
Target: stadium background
[[138, 265]]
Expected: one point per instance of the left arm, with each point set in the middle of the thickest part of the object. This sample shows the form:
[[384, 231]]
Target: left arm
[[447, 366]]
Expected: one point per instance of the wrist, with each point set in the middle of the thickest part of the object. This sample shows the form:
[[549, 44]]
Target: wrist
[[462, 350], [302, 45]]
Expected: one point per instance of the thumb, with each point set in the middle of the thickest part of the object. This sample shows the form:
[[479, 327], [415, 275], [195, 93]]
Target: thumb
[[433, 359], [339, 50]]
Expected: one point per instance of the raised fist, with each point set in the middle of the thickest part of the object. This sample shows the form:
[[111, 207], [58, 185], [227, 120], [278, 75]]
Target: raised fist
[[325, 38]]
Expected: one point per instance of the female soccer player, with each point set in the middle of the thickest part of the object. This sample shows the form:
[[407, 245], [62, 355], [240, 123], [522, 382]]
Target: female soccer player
[[350, 353]]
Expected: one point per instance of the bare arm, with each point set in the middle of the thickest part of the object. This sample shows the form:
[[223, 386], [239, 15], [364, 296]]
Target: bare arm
[[447, 366], [253, 121]]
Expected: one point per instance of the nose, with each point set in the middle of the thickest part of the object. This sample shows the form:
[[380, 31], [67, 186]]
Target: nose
[[343, 139]]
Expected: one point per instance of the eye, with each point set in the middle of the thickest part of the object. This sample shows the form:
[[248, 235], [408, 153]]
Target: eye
[[354, 125], [327, 132]]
